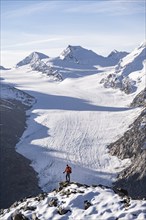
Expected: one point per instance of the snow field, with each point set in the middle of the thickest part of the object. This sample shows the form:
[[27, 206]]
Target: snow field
[[72, 122]]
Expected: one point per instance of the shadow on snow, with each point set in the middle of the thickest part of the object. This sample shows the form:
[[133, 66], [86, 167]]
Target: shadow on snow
[[57, 102]]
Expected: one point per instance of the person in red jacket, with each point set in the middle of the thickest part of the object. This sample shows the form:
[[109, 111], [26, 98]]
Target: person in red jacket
[[68, 171]]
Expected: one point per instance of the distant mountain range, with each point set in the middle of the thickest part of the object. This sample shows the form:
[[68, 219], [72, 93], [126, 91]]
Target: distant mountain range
[[77, 55], [76, 58], [81, 55]]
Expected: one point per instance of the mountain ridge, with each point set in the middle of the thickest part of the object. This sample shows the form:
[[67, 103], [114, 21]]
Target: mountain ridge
[[78, 55], [33, 57], [123, 76]]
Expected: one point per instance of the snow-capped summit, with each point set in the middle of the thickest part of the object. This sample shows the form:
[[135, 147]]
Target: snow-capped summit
[[133, 61], [129, 72], [32, 58], [36, 63], [80, 55]]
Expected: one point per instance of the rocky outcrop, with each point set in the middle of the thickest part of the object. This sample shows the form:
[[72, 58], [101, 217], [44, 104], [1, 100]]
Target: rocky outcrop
[[49, 71], [140, 99], [133, 145], [17, 178], [123, 83], [85, 202]]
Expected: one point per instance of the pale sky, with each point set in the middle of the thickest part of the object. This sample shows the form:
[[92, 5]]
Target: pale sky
[[50, 26]]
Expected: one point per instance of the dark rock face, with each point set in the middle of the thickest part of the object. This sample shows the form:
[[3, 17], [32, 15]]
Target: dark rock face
[[17, 178], [140, 99], [133, 145], [87, 204], [18, 216]]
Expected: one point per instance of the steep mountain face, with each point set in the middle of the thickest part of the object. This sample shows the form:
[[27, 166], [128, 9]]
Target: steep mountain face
[[32, 58], [133, 145], [115, 56], [18, 179], [35, 60], [122, 78], [9, 92], [133, 61], [140, 99], [80, 55], [51, 72]]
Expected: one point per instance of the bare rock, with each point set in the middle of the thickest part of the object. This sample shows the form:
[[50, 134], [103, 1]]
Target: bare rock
[[87, 204], [63, 211], [53, 202]]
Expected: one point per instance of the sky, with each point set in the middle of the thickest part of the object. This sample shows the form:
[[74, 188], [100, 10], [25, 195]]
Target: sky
[[50, 26]]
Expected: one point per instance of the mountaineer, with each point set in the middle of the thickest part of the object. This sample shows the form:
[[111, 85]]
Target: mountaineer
[[68, 171]]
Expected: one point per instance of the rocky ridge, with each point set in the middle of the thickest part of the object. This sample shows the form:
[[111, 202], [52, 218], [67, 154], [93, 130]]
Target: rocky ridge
[[17, 177], [80, 55], [121, 77], [76, 201], [35, 60], [133, 145], [49, 71], [33, 57]]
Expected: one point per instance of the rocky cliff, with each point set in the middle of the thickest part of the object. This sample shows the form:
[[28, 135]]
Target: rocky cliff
[[133, 145], [17, 178]]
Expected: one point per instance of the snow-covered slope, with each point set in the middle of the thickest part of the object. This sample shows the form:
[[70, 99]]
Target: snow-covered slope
[[9, 92], [36, 61], [32, 58], [115, 56], [129, 73], [80, 55], [77, 202], [74, 61], [71, 123], [133, 61]]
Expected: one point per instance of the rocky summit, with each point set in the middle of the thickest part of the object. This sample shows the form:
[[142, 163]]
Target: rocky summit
[[77, 201]]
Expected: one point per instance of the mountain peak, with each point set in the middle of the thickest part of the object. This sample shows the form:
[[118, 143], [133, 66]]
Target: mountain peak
[[34, 56], [118, 54], [133, 61], [39, 55], [70, 51], [79, 55]]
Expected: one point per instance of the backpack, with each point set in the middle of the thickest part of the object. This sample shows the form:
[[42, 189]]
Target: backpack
[[70, 170]]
